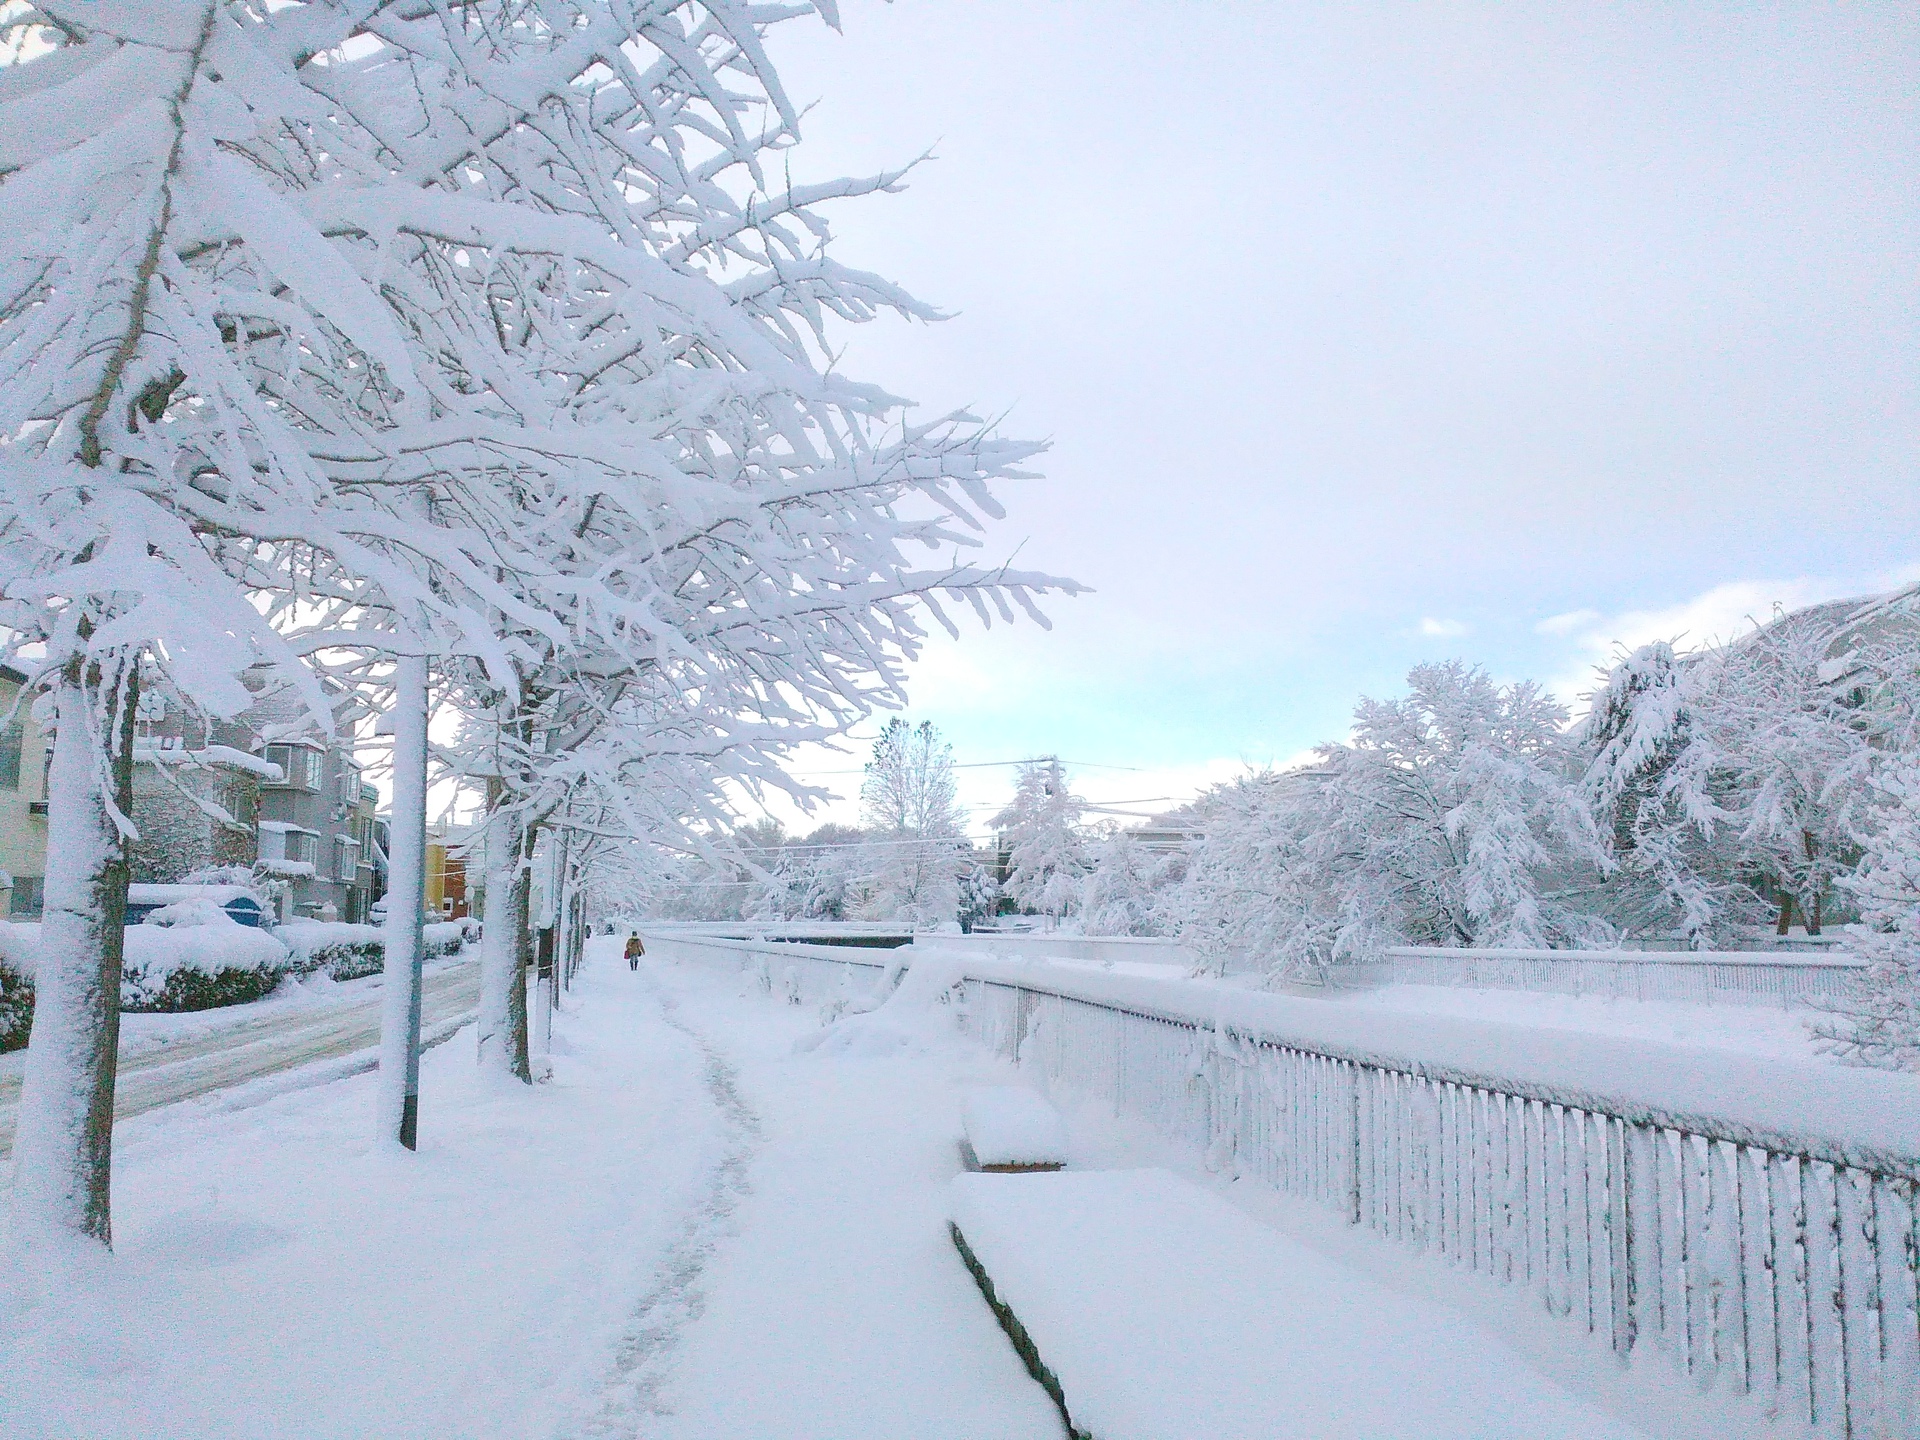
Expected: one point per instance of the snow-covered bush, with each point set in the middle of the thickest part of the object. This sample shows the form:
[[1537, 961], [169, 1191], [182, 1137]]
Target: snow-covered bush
[[178, 967], [347, 952]]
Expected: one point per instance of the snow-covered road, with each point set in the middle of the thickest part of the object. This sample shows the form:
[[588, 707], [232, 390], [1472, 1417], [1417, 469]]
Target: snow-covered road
[[160, 1069]]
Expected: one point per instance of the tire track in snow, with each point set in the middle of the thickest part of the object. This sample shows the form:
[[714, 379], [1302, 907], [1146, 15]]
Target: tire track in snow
[[644, 1355]]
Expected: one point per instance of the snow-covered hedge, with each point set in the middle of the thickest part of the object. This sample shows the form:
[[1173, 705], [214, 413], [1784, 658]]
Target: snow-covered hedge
[[16, 990], [347, 952], [193, 956], [198, 962], [198, 966]]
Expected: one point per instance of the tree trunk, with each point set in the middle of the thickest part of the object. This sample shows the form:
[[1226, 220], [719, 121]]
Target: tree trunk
[[399, 1101], [1813, 916], [1786, 914], [63, 1153], [504, 946]]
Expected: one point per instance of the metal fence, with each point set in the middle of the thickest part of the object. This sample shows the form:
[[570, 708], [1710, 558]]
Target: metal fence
[[1789, 1273], [1790, 1276]]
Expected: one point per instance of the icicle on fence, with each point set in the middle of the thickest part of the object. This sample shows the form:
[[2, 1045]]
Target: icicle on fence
[[1787, 1276]]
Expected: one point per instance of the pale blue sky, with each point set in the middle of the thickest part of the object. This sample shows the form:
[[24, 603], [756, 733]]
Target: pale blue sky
[[1368, 334]]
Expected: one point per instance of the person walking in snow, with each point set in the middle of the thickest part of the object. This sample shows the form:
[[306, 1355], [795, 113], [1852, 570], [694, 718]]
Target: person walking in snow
[[634, 950]]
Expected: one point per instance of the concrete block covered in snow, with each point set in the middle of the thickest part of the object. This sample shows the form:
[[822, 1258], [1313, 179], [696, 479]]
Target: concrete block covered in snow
[[1009, 1128], [1156, 1311]]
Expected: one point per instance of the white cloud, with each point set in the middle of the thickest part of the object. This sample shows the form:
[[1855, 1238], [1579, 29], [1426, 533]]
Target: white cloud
[[1443, 629], [1708, 618], [1566, 624]]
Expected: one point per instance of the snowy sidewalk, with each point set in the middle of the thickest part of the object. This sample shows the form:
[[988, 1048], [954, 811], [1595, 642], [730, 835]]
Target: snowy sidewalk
[[839, 1309]]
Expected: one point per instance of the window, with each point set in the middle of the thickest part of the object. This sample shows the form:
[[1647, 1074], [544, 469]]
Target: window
[[28, 893], [11, 737], [296, 764], [302, 845], [346, 856]]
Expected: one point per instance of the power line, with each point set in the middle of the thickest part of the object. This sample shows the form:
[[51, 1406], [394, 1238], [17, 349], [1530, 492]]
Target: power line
[[1000, 764]]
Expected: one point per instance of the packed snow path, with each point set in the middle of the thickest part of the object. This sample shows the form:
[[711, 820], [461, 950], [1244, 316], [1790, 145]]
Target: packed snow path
[[280, 1039], [837, 1307]]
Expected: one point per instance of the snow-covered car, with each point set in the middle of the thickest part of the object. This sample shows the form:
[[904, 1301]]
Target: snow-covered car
[[242, 904]]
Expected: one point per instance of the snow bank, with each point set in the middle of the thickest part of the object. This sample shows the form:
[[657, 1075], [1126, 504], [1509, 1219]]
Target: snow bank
[[917, 1013], [1163, 1313], [277, 1274], [1008, 1125]]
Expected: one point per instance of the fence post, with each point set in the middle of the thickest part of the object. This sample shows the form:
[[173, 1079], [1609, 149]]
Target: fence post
[[1620, 1218], [1353, 1145]]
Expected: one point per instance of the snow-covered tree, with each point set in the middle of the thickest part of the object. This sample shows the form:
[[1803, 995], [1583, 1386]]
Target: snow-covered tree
[[915, 833], [1660, 790], [979, 893], [1880, 1024], [1275, 877], [1040, 828], [419, 318], [1450, 819], [1124, 892]]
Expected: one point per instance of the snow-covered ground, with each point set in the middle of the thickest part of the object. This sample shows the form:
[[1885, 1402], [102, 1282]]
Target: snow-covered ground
[[277, 1273], [1776, 1032], [699, 1230]]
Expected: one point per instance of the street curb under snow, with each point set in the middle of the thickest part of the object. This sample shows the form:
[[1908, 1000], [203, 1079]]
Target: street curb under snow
[[320, 1072]]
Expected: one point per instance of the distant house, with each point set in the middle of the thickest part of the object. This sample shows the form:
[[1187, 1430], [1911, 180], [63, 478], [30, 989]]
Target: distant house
[[23, 802], [446, 897]]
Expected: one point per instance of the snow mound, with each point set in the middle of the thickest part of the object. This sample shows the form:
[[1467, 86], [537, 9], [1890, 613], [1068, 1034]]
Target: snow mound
[[1010, 1125], [917, 1016]]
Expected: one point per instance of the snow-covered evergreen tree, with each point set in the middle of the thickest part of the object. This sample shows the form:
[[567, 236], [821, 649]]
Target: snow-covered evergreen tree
[[1040, 827]]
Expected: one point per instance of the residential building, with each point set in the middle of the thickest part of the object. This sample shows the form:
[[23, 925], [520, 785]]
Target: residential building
[[23, 802], [316, 830], [316, 820], [446, 890], [196, 792]]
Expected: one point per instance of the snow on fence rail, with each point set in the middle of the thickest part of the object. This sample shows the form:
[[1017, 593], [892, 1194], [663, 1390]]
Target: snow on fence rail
[[1752, 1222], [1776, 977]]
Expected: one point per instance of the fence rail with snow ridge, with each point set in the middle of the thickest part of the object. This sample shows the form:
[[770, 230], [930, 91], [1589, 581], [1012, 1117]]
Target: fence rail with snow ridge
[[1755, 1224], [1776, 977]]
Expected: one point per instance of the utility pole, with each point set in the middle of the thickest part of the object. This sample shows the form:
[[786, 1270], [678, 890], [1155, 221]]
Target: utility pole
[[406, 896]]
